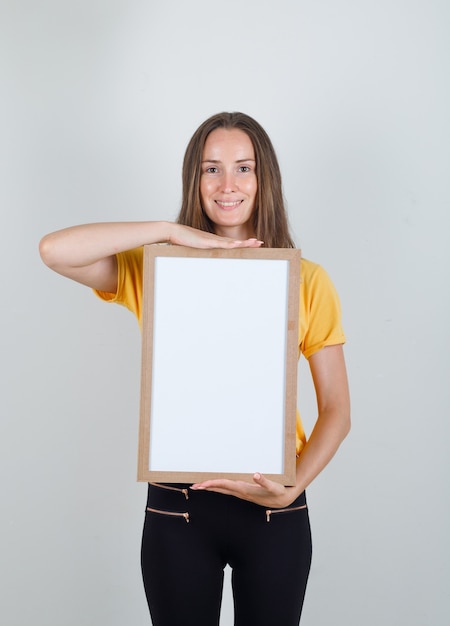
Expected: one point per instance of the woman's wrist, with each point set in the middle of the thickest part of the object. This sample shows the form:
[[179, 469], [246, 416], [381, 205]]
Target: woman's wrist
[[158, 231], [171, 229]]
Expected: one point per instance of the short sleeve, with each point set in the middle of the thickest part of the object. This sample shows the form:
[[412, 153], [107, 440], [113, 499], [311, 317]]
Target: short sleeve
[[320, 310], [129, 282]]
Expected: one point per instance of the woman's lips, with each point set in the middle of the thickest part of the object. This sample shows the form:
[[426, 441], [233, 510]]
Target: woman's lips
[[228, 206]]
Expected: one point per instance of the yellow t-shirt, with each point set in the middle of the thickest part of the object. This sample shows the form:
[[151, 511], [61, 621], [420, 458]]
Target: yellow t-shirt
[[320, 310]]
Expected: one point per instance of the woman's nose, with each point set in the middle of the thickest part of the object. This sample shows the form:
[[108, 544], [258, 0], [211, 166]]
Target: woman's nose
[[229, 182]]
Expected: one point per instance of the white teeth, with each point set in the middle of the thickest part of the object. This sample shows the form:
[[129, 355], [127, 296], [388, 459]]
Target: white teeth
[[228, 204]]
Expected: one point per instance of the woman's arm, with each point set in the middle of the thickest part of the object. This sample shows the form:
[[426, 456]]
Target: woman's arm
[[86, 253], [332, 425]]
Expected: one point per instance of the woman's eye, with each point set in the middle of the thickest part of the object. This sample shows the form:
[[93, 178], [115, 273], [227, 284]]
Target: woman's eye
[[244, 168], [211, 170]]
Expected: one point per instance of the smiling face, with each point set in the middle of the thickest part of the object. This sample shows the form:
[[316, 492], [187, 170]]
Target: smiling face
[[228, 182]]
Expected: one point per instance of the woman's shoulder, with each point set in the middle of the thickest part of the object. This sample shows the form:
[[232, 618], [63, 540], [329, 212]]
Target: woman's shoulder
[[308, 266], [309, 270], [315, 281]]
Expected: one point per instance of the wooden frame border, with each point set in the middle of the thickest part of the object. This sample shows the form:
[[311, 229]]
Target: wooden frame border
[[151, 253]]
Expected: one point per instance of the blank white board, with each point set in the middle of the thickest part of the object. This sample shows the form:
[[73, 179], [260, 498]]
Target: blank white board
[[219, 364]]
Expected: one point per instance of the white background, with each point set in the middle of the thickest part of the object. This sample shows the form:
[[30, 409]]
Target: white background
[[98, 100]]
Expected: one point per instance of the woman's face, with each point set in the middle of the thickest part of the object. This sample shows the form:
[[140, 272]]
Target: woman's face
[[228, 182]]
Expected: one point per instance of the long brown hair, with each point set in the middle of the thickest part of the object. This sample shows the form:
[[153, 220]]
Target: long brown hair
[[269, 216]]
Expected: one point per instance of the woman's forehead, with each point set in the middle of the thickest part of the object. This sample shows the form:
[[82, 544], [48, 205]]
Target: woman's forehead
[[228, 143]]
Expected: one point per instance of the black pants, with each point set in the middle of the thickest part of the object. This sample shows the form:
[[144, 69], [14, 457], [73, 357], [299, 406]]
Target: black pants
[[189, 537]]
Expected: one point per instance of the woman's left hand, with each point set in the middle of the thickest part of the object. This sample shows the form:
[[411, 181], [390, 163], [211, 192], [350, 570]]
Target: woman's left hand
[[262, 491]]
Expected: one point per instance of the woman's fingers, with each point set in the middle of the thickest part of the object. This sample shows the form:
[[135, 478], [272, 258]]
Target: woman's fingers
[[262, 491], [186, 236]]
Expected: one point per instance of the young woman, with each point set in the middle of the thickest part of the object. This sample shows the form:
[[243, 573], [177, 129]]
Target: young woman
[[232, 197]]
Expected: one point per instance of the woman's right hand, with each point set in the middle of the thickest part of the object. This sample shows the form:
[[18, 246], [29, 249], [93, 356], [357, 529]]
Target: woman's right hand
[[87, 253]]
